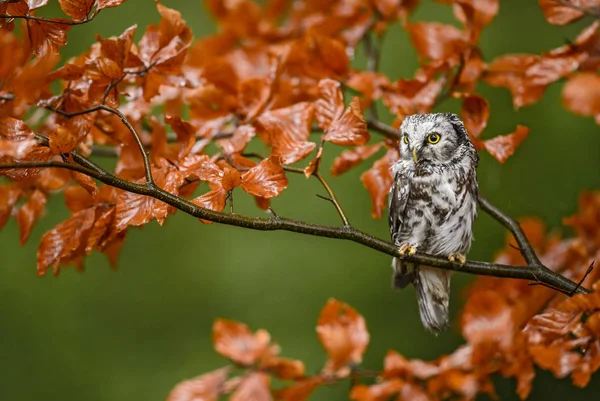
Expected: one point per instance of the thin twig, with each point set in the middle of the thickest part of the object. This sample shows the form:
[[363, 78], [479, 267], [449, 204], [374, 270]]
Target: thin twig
[[59, 21], [103, 107]]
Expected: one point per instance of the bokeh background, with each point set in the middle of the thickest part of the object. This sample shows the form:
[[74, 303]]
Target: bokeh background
[[132, 334]]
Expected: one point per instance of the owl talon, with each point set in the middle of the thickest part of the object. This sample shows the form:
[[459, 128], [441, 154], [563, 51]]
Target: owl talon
[[458, 258], [407, 249]]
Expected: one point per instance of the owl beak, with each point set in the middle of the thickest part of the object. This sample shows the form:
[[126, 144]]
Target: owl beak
[[414, 152]]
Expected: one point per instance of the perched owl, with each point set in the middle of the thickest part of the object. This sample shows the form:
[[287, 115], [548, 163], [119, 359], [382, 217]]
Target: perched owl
[[432, 206]]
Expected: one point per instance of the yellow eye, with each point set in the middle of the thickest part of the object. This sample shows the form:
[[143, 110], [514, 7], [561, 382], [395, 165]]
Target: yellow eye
[[406, 139], [433, 138]]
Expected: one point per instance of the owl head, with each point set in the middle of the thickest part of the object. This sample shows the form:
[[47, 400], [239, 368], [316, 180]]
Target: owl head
[[433, 139]]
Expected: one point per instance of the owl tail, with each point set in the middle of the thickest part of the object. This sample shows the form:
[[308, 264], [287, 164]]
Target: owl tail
[[433, 297]]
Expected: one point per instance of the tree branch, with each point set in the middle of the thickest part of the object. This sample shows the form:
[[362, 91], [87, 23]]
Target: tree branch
[[332, 198], [533, 273]]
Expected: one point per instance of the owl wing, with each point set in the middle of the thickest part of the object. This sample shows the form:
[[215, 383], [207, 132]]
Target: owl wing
[[398, 198]]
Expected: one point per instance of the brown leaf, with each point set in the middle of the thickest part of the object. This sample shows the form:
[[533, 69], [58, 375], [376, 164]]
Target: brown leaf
[[483, 11], [435, 41], [30, 213], [343, 333], [65, 242], [101, 4], [77, 198], [288, 130], [581, 94], [77, 9], [503, 146], [33, 4], [237, 143], [299, 391], [376, 392], [267, 179], [378, 181], [13, 129], [369, 84], [475, 114], [350, 128], [206, 387], [314, 164], [103, 70], [133, 210], [487, 317], [396, 365], [47, 36], [103, 226], [560, 14], [9, 196], [62, 140], [231, 179], [235, 341], [556, 358], [283, 368], [86, 182], [253, 387], [353, 157], [330, 105], [528, 75]]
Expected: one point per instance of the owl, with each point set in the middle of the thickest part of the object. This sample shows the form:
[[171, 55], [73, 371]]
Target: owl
[[432, 206]]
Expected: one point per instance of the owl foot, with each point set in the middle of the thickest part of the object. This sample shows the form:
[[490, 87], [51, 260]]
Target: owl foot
[[458, 258], [407, 249]]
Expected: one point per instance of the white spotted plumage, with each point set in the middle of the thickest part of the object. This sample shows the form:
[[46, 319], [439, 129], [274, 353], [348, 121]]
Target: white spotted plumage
[[432, 206]]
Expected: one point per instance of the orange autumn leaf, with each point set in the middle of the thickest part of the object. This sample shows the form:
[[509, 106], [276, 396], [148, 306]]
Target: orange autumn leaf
[[66, 241], [77, 9], [503, 146], [378, 181], [255, 387], [284, 368], [235, 341], [101, 4], [314, 164], [267, 179], [342, 127], [353, 157], [330, 104], [288, 130], [435, 41], [558, 13], [475, 114], [343, 333], [63, 140], [47, 36], [377, 392], [206, 387], [9, 196], [301, 390], [13, 129], [30, 213], [581, 94], [350, 128]]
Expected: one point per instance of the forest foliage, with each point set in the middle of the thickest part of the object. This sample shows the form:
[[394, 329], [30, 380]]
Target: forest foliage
[[175, 112]]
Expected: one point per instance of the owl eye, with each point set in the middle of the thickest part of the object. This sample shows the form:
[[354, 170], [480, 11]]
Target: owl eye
[[405, 139], [433, 138]]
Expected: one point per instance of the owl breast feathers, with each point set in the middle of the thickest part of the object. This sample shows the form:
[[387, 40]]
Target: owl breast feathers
[[432, 206]]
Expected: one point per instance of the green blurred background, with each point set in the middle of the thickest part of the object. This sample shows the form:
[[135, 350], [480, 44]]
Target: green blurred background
[[132, 334]]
